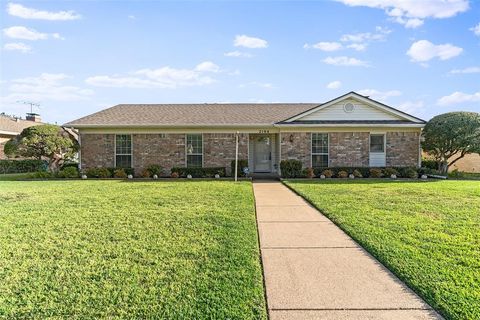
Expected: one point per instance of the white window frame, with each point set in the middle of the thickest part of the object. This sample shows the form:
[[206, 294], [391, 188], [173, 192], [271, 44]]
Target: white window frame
[[321, 153], [123, 154], [384, 142], [194, 154]]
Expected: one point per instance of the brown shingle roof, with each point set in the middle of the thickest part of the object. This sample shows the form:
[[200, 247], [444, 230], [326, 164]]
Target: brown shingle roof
[[11, 124], [193, 114]]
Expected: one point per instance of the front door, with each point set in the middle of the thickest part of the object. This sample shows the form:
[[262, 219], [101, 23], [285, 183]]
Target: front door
[[262, 154]]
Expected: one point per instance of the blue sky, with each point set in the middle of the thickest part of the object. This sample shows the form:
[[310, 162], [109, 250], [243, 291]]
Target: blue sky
[[78, 57]]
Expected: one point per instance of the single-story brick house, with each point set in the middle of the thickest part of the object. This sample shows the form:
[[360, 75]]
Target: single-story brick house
[[349, 131]]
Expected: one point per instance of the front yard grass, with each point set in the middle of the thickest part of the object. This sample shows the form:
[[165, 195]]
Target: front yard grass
[[136, 250], [427, 233]]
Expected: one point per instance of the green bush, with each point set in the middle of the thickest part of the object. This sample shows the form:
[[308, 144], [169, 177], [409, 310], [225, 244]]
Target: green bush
[[155, 169], [200, 172], [242, 163], [68, 172], [376, 173], [291, 168], [430, 164], [41, 175], [21, 166], [410, 173], [127, 170], [120, 173], [389, 171], [98, 173], [364, 171]]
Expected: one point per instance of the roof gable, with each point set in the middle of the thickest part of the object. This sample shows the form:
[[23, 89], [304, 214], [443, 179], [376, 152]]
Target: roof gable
[[365, 109]]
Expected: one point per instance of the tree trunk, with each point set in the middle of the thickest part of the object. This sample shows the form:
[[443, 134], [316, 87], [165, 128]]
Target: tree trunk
[[54, 164], [444, 167]]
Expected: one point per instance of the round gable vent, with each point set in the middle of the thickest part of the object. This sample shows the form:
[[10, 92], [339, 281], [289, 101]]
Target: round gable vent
[[348, 107]]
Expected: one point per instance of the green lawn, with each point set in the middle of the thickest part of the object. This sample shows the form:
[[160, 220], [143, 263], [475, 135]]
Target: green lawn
[[427, 233], [136, 250], [13, 176]]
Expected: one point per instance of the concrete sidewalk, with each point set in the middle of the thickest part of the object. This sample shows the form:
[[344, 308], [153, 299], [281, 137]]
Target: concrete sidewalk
[[313, 270]]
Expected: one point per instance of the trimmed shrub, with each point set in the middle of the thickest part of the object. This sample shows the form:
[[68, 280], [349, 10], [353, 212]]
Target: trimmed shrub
[[410, 173], [68, 172], [98, 173], [155, 169], [70, 165], [242, 163], [309, 173], [145, 173], [22, 166], [41, 175], [328, 173], [357, 174], [174, 174], [200, 172], [389, 171], [291, 168], [376, 173], [120, 173], [342, 174], [430, 164]]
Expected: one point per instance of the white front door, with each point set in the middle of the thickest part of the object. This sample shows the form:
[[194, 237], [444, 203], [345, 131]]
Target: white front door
[[262, 154], [377, 150]]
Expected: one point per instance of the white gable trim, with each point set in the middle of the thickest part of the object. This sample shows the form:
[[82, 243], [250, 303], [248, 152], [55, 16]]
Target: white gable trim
[[367, 101]]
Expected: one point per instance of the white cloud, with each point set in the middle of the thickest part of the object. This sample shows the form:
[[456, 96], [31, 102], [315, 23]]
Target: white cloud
[[19, 32], [249, 42], [238, 54], [411, 13], [476, 29], [380, 34], [17, 46], [334, 85], [17, 10], [207, 66], [47, 86], [345, 61], [466, 70], [412, 107], [379, 95], [324, 46], [357, 46], [131, 17], [424, 50], [458, 97], [165, 77]]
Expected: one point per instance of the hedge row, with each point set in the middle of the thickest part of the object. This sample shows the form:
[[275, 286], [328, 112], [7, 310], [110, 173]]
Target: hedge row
[[198, 172], [108, 172], [293, 169], [22, 166]]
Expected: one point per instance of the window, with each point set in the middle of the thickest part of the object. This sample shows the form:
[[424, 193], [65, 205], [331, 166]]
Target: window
[[194, 150], [319, 150], [377, 143], [123, 150]]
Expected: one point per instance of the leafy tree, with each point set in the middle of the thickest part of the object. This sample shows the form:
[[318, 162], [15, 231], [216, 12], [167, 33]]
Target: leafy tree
[[450, 136], [43, 142]]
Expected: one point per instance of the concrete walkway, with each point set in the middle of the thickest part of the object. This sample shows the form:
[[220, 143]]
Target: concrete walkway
[[313, 270]]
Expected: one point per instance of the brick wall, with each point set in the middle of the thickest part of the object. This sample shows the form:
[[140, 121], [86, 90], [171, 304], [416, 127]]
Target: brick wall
[[97, 150], [349, 149], [296, 145], [167, 150], [219, 149], [402, 149]]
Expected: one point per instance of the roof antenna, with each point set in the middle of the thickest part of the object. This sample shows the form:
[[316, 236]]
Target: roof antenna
[[30, 103]]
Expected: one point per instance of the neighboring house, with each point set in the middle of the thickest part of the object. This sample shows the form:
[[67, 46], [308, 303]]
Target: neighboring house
[[349, 131], [12, 126], [469, 163]]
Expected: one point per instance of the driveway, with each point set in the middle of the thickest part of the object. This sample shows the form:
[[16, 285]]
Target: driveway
[[313, 270]]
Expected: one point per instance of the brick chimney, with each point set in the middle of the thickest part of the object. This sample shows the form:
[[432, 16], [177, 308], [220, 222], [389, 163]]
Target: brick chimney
[[35, 117]]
